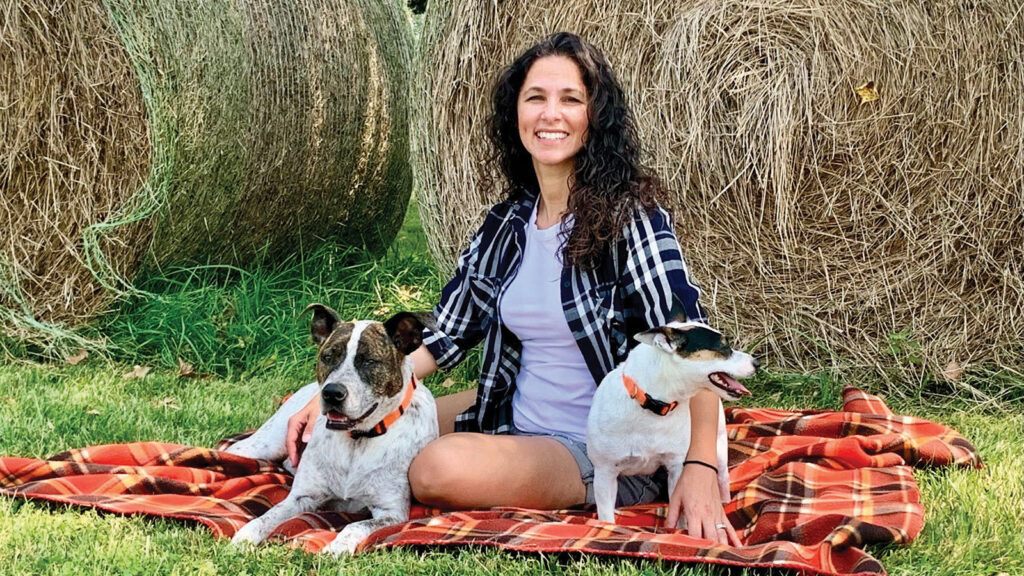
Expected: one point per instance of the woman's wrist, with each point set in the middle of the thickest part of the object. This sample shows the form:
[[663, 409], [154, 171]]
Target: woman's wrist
[[702, 464]]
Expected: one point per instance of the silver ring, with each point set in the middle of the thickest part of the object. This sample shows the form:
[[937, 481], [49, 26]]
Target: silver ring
[[720, 526]]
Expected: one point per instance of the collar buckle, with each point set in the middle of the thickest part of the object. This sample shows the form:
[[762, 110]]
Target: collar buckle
[[646, 402]]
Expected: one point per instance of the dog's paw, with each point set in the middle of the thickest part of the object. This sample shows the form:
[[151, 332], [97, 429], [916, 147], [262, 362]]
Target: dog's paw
[[248, 536], [345, 542]]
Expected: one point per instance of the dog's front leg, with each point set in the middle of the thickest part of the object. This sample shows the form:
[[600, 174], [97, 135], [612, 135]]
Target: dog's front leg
[[350, 536], [259, 528], [674, 470], [606, 488], [393, 510]]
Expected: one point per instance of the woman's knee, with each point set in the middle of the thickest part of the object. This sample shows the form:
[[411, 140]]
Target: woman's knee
[[439, 470]]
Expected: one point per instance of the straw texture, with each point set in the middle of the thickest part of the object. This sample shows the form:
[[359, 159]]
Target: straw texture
[[848, 178], [141, 134]]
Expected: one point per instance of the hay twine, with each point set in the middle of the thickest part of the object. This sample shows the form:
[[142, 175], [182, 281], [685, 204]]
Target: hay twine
[[848, 176], [141, 134]]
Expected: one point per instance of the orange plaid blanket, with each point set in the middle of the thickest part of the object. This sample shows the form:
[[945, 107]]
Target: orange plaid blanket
[[810, 489]]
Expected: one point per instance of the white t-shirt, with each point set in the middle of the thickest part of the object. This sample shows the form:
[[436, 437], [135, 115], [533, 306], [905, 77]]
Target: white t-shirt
[[554, 387]]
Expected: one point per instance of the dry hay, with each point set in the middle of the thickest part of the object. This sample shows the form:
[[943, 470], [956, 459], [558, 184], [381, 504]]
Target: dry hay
[[825, 231], [139, 134]]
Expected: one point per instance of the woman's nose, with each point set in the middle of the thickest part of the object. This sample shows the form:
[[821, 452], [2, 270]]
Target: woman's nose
[[550, 110]]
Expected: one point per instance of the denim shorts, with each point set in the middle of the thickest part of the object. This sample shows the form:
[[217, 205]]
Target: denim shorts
[[632, 489]]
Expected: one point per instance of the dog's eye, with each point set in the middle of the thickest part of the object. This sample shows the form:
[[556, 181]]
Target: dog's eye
[[327, 357]]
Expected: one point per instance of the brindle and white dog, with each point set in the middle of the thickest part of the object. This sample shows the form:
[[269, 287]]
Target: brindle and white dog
[[375, 419], [640, 416]]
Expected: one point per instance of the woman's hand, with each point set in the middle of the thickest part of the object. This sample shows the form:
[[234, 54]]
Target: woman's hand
[[300, 429], [698, 495]]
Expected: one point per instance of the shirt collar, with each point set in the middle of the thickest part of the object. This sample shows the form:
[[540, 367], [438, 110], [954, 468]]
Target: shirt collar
[[523, 207]]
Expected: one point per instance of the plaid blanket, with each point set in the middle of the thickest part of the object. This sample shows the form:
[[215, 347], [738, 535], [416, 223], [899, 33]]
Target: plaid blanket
[[810, 490]]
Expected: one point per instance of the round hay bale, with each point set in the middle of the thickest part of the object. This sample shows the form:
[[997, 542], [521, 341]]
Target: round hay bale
[[847, 176], [144, 134]]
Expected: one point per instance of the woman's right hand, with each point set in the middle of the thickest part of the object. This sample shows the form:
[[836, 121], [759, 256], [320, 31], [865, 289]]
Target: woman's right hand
[[300, 429]]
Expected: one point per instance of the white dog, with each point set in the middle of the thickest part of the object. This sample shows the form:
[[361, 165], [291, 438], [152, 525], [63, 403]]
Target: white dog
[[640, 416], [375, 420]]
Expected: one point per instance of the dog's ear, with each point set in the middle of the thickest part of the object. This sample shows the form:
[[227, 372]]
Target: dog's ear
[[677, 313], [324, 321], [406, 330], [663, 338]]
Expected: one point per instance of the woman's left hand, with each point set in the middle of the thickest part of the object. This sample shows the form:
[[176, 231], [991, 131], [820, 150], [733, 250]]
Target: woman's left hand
[[698, 496]]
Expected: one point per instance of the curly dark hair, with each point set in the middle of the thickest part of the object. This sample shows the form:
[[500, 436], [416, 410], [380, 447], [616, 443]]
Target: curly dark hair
[[608, 183]]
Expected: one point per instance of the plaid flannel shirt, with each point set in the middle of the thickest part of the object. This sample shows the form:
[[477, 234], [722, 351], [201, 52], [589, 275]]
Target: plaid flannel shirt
[[631, 291]]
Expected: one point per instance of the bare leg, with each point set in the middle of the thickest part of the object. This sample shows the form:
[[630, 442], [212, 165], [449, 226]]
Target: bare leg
[[450, 406], [468, 470]]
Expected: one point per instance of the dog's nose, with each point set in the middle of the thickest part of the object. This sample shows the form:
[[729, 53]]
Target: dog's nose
[[757, 363], [334, 393]]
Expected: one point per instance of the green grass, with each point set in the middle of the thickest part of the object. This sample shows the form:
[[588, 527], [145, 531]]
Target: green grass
[[246, 330], [238, 323]]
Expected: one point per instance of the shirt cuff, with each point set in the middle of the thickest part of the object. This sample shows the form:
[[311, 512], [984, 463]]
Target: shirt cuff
[[445, 351]]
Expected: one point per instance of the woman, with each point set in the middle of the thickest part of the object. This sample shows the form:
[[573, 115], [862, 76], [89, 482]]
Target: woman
[[561, 275]]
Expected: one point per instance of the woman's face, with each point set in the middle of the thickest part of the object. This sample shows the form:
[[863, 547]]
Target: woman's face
[[552, 109]]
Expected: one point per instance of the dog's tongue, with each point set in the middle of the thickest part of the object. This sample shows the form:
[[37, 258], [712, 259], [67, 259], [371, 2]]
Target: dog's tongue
[[733, 385]]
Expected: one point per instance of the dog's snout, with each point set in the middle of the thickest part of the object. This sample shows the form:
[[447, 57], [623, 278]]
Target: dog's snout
[[334, 393], [757, 363]]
